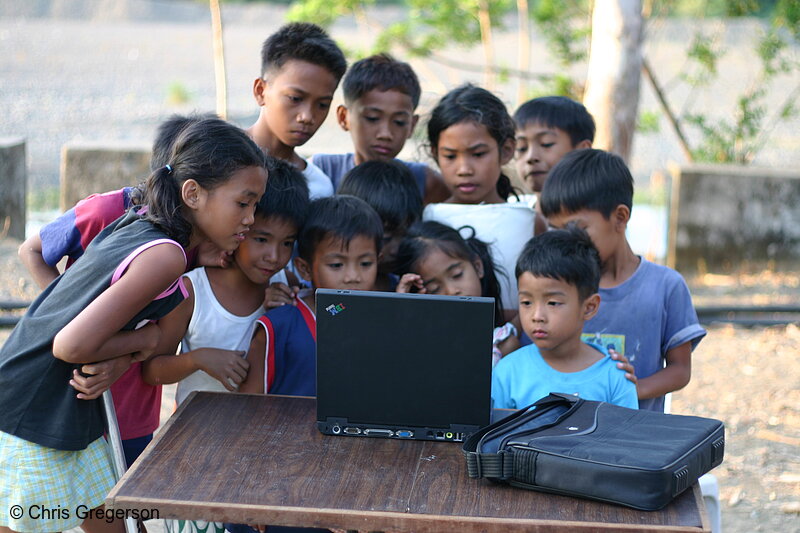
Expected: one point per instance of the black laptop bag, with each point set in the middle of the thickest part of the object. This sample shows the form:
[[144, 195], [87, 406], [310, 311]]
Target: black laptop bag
[[566, 445]]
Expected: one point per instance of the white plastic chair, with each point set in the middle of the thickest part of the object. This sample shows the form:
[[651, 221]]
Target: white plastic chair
[[709, 487]]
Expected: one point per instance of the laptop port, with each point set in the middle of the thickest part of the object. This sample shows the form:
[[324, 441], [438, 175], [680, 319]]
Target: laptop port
[[440, 435], [352, 431], [378, 432], [404, 434], [336, 429]]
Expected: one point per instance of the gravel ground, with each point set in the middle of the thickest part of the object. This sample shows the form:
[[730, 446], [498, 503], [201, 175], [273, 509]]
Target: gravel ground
[[747, 377], [95, 69]]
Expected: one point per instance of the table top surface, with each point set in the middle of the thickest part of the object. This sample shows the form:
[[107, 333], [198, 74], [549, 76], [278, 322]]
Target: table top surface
[[261, 460]]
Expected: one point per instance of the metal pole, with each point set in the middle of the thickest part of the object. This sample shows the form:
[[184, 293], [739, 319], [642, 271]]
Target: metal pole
[[118, 455]]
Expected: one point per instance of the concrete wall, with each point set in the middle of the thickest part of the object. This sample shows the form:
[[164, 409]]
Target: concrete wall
[[13, 187], [88, 168], [732, 219]]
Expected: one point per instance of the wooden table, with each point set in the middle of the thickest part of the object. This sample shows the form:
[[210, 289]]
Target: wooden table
[[260, 460]]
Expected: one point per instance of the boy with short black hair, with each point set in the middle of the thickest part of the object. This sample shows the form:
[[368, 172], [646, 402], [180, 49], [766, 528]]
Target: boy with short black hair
[[338, 248], [300, 69], [548, 128], [381, 95], [646, 312], [558, 273], [389, 188]]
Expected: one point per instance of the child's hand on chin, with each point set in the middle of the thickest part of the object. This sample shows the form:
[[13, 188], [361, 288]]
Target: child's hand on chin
[[210, 255]]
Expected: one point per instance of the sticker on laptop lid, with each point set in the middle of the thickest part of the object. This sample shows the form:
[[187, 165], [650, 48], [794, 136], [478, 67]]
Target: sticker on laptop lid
[[335, 309]]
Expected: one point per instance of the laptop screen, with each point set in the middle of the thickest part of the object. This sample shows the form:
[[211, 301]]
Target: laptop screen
[[403, 360]]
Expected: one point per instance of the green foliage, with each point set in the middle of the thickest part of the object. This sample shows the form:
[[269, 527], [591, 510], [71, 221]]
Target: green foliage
[[738, 137], [43, 198], [731, 141], [705, 53], [648, 122], [177, 93], [560, 23], [325, 12]]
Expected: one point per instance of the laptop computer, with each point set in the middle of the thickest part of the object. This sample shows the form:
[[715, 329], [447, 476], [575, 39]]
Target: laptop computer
[[405, 366]]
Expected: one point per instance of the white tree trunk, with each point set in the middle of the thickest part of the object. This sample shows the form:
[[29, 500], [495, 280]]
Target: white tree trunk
[[615, 65]]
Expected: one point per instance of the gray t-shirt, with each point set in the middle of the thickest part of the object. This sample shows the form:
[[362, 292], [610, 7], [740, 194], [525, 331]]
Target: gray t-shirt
[[337, 165], [644, 317]]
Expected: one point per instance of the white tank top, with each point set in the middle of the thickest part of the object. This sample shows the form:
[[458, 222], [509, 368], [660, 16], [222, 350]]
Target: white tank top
[[212, 326]]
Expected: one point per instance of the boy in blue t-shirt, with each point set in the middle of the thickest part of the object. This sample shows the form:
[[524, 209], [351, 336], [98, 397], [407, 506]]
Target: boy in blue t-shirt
[[381, 96], [646, 313], [558, 273]]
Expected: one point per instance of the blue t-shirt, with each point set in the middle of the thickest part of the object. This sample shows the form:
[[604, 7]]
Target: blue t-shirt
[[642, 318], [523, 377], [337, 165]]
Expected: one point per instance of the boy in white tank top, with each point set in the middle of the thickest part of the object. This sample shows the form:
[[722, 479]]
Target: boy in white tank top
[[214, 324]]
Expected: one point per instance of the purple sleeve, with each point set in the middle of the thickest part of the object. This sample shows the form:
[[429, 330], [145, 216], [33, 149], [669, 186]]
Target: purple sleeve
[[61, 238], [682, 325]]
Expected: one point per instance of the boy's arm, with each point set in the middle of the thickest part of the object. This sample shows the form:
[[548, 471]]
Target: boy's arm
[[500, 399], [30, 253], [674, 376], [435, 189], [256, 355], [166, 366]]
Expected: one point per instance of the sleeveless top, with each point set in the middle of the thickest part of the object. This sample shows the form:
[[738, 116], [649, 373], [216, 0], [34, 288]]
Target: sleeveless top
[[337, 165], [290, 358], [36, 399], [212, 326]]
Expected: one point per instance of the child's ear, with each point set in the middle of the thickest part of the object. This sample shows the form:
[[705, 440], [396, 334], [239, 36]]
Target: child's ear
[[303, 267], [414, 120], [620, 217], [586, 143], [590, 306], [507, 151], [259, 91], [478, 264], [343, 117], [191, 193]]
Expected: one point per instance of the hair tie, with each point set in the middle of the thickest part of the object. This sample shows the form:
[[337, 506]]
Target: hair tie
[[169, 169], [466, 232]]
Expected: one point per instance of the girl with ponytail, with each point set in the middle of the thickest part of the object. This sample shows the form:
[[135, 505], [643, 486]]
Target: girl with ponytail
[[471, 137], [104, 308]]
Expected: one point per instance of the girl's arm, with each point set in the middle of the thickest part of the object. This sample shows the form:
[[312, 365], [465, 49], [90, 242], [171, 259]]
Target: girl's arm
[[256, 354], [95, 334], [672, 377]]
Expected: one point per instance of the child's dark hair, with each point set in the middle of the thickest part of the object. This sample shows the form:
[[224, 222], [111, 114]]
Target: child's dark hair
[[423, 237], [469, 103], [340, 217], [558, 112], [389, 187], [166, 134], [381, 72], [286, 195], [587, 179], [302, 41], [563, 254], [208, 151]]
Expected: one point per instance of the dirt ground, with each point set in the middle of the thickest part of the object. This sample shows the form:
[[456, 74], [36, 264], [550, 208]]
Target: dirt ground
[[747, 377]]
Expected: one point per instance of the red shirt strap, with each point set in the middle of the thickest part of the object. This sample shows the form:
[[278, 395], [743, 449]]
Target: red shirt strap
[[308, 316]]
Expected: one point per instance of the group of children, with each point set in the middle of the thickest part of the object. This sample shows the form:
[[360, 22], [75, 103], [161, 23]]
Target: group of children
[[576, 310]]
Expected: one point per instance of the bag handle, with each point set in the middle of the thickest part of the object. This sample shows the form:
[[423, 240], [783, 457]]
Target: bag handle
[[491, 464]]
